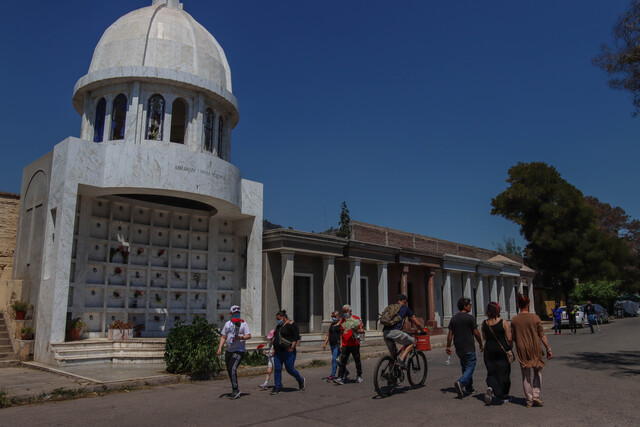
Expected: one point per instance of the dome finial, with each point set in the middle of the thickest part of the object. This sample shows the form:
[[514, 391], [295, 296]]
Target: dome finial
[[169, 3]]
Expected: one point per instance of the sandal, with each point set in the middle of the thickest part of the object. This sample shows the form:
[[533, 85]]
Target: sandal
[[537, 402]]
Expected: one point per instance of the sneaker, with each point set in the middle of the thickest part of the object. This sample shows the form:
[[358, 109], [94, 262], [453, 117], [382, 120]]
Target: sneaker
[[234, 394], [338, 381], [488, 396], [275, 391], [264, 386], [401, 363], [346, 374], [331, 378], [301, 384], [458, 387], [359, 379]]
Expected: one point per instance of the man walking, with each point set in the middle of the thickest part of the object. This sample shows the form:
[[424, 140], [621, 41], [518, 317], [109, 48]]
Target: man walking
[[590, 312], [557, 319], [235, 332], [571, 314], [463, 329], [350, 327]]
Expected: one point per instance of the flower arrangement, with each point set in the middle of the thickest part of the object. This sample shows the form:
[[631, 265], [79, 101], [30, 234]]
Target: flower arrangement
[[196, 297], [117, 271], [176, 275], [223, 296], [124, 250], [137, 294], [116, 294], [140, 251], [119, 324], [178, 295], [160, 253], [158, 298], [196, 278]]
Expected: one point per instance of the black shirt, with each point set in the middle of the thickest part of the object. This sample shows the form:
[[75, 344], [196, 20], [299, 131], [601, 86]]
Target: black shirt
[[463, 325], [334, 334], [289, 332]]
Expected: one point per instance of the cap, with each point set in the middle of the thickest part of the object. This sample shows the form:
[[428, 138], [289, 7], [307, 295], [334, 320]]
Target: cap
[[401, 297], [271, 333], [234, 309]]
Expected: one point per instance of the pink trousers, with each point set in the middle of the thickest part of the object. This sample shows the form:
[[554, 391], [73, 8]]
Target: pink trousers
[[531, 386]]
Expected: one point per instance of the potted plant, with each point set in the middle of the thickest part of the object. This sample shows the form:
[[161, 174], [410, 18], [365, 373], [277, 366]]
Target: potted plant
[[119, 330], [20, 308], [27, 333], [75, 328], [136, 294]]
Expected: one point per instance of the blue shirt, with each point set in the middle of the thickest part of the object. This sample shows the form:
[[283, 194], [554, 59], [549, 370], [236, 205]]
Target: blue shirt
[[403, 313], [557, 313]]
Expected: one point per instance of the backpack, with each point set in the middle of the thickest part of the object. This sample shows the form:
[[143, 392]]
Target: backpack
[[390, 316]]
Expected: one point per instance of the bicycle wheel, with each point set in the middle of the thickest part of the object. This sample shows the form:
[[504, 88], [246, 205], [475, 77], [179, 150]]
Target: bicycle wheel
[[385, 380], [417, 369]]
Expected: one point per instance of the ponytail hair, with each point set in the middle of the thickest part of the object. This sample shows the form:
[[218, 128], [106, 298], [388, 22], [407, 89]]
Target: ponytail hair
[[282, 313], [523, 302]]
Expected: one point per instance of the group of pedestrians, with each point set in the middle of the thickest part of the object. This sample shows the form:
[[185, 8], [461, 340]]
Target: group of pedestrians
[[496, 342], [572, 312]]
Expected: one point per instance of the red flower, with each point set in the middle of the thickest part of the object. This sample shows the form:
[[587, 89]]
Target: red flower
[[260, 346]]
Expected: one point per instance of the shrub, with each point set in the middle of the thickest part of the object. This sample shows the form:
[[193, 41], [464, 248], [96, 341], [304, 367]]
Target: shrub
[[254, 358], [192, 349]]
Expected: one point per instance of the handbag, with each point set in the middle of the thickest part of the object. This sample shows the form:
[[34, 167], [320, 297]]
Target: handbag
[[510, 356], [283, 342]]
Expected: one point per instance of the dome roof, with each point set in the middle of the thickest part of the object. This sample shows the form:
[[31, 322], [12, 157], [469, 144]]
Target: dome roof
[[160, 41]]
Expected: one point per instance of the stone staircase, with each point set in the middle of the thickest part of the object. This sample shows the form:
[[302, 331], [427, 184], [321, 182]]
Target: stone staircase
[[7, 356], [137, 350]]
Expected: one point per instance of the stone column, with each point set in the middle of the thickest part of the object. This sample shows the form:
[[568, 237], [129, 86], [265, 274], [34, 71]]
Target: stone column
[[532, 306], [356, 293], [431, 321], [446, 299], [493, 288], [511, 288], [286, 290], [328, 290], [86, 129], [520, 284], [383, 287], [501, 296], [479, 302], [466, 287]]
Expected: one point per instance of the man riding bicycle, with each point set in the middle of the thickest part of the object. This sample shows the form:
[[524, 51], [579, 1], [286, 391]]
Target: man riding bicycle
[[394, 334]]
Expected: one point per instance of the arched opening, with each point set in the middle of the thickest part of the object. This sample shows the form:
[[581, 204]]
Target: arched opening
[[178, 121], [98, 125], [220, 134], [155, 118], [208, 130], [119, 117]]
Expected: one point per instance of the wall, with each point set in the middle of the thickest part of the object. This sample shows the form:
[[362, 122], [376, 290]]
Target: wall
[[9, 207]]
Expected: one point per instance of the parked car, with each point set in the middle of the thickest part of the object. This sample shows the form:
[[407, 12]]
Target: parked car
[[579, 315], [602, 315], [627, 308]]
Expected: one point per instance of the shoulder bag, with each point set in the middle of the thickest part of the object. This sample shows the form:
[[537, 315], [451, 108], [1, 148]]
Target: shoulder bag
[[510, 356]]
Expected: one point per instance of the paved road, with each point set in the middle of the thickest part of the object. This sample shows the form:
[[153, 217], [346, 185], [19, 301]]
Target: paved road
[[593, 379]]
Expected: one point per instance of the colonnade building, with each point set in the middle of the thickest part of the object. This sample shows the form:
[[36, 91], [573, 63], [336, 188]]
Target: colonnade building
[[311, 275]]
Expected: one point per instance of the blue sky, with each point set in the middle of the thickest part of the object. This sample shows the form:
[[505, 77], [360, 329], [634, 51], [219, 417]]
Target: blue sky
[[411, 111]]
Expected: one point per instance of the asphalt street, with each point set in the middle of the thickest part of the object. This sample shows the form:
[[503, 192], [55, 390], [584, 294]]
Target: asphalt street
[[593, 379]]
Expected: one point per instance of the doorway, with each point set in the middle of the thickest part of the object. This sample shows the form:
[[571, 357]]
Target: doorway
[[303, 302]]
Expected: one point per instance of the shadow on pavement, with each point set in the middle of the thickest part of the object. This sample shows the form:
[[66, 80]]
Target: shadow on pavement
[[624, 363]]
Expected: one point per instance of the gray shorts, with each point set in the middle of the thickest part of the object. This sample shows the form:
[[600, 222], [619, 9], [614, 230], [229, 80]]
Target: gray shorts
[[396, 336]]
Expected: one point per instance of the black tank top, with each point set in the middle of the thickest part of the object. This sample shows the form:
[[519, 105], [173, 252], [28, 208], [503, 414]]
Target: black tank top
[[334, 334]]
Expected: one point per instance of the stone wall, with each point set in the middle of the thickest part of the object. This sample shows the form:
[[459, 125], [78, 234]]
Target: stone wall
[[9, 207], [370, 233]]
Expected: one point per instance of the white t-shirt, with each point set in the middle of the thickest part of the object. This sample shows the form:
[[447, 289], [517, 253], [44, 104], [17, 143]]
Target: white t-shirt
[[231, 332]]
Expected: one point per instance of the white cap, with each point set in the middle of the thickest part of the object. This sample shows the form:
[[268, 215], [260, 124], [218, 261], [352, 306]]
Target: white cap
[[234, 309]]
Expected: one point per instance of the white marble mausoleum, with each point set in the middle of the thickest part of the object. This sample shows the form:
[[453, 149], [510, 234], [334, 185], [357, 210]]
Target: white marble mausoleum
[[144, 217]]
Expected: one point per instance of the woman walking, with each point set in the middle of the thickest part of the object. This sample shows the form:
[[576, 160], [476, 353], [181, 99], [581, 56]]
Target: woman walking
[[527, 332], [285, 339], [497, 336], [333, 338]]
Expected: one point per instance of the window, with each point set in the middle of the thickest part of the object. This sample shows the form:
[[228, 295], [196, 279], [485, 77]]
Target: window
[[208, 130], [119, 117], [220, 133], [98, 125], [178, 121], [155, 118]]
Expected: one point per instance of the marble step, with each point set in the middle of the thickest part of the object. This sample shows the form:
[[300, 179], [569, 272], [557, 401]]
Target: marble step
[[4, 342], [7, 355], [6, 348], [9, 363]]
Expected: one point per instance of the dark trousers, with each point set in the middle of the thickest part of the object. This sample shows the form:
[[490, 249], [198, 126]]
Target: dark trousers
[[232, 359], [572, 324], [344, 357], [288, 360]]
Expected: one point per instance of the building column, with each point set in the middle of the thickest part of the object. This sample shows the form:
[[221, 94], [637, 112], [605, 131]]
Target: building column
[[355, 291], [383, 287], [479, 302], [532, 306], [446, 299], [520, 285], [404, 282], [493, 288], [328, 290], [501, 295], [466, 287], [431, 313], [511, 287], [286, 290]]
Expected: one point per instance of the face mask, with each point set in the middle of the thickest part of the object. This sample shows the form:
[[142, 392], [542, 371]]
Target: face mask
[[236, 315], [280, 322], [334, 319], [346, 314]]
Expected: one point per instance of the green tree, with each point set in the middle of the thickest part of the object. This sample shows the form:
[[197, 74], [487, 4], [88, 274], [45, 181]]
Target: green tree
[[622, 60], [603, 292], [344, 227], [564, 242], [508, 246]]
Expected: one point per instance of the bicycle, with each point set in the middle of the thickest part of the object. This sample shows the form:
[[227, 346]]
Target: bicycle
[[388, 374]]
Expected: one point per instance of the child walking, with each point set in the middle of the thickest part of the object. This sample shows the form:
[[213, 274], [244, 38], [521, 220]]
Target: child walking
[[269, 355]]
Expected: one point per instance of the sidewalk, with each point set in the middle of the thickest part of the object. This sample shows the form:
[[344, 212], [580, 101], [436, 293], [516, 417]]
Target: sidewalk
[[32, 380]]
